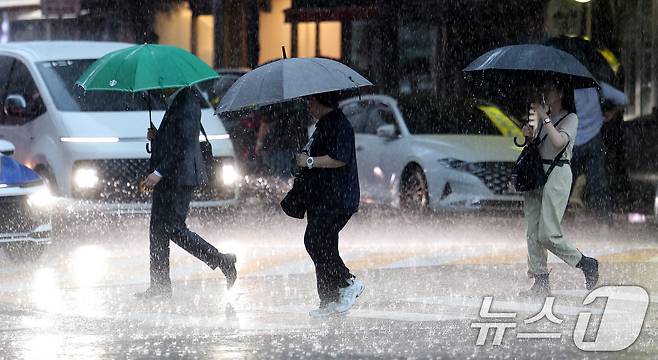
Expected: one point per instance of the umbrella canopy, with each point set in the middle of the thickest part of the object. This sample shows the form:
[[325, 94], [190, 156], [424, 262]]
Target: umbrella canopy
[[532, 61], [588, 54], [288, 79], [145, 67]]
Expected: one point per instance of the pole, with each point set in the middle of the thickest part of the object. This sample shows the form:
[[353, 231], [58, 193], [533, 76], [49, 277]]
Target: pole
[[194, 32], [218, 29]]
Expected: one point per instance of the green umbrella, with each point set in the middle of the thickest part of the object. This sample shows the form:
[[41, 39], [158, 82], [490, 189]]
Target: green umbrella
[[143, 68]]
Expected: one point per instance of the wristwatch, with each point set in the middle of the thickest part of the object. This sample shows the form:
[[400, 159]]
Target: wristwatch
[[547, 121], [309, 162]]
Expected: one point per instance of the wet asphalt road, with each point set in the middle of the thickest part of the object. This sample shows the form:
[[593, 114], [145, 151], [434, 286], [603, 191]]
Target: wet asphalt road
[[425, 281]]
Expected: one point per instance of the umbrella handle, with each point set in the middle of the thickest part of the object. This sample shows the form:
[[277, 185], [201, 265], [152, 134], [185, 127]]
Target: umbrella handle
[[148, 148], [525, 142]]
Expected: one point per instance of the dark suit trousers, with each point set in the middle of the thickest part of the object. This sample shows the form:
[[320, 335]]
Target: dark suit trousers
[[169, 210], [321, 241]]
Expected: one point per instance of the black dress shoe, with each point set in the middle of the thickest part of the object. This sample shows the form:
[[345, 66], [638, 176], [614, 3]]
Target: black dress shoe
[[590, 268], [229, 270], [153, 292]]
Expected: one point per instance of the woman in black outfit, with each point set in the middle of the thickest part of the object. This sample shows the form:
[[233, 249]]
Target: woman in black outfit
[[331, 183]]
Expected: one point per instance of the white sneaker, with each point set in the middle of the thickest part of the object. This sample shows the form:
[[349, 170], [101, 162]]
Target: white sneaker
[[328, 310], [348, 295]]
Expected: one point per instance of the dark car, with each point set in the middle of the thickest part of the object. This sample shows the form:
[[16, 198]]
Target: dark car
[[215, 89]]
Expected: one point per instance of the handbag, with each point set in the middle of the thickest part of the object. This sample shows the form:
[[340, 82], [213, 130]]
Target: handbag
[[528, 173], [294, 203]]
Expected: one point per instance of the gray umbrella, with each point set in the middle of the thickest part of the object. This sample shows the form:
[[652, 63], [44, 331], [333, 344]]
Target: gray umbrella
[[532, 61], [288, 79]]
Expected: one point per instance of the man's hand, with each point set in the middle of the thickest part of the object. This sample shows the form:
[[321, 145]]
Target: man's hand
[[301, 160], [152, 180], [151, 133]]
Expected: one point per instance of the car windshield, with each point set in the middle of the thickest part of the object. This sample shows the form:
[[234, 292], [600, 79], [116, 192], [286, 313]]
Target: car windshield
[[424, 116], [60, 78]]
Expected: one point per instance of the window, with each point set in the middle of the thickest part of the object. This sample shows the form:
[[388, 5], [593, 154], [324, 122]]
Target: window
[[5, 70], [640, 58], [22, 84], [60, 78], [368, 116], [418, 56], [426, 115], [357, 113]]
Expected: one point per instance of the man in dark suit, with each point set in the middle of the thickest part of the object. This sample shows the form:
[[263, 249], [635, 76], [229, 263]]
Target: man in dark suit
[[177, 168]]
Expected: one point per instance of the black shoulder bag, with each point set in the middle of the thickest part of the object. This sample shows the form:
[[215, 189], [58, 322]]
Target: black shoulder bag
[[528, 173], [294, 203]]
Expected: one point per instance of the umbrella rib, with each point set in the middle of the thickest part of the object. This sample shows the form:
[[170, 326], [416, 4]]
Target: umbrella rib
[[339, 70]]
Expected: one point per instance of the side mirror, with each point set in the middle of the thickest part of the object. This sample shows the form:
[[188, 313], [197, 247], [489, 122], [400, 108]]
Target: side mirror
[[7, 148], [387, 131], [15, 105]]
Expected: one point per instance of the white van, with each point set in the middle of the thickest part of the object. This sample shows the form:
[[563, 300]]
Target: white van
[[91, 147]]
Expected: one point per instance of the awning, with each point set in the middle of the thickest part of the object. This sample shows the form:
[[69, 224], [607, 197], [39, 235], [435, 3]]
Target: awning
[[19, 4]]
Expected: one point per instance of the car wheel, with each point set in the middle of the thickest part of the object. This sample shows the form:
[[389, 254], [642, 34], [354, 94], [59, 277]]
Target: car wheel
[[24, 251], [414, 195]]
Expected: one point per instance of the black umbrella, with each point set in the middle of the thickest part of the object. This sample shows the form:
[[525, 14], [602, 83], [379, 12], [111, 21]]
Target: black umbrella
[[532, 62], [588, 54]]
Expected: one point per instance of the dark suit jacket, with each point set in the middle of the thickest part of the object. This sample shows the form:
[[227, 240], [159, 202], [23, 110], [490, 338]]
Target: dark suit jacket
[[176, 153]]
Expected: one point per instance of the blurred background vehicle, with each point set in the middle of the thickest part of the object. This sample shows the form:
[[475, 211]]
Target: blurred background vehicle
[[419, 153], [266, 140], [25, 207], [214, 89], [90, 147]]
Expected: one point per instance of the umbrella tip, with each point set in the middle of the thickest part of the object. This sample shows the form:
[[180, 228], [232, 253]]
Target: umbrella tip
[[283, 50]]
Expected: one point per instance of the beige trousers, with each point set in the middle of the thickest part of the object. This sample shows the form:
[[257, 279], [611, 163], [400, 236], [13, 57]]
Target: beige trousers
[[544, 209]]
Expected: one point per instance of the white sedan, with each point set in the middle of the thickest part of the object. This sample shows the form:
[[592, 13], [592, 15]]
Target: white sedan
[[418, 157]]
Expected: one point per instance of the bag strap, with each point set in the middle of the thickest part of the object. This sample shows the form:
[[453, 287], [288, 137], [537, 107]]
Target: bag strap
[[559, 155], [556, 159], [203, 131], [556, 124]]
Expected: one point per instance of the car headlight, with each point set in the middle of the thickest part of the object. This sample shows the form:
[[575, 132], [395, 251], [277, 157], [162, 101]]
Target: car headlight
[[40, 199], [461, 165], [230, 174], [86, 178], [451, 163]]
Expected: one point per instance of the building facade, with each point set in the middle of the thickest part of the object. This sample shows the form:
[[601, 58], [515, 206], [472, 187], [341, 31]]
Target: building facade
[[403, 46]]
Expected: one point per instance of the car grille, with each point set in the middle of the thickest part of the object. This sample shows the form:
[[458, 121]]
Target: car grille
[[119, 181], [496, 175], [15, 215]]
